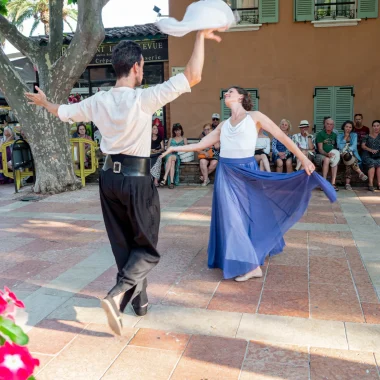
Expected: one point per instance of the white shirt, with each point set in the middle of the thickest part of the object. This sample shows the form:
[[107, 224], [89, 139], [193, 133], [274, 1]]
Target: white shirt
[[124, 115], [302, 142], [264, 144], [239, 141]]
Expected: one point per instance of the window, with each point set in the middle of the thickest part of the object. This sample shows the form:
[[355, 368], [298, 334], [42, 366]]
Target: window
[[334, 9], [255, 12], [225, 111], [335, 102], [339, 10]]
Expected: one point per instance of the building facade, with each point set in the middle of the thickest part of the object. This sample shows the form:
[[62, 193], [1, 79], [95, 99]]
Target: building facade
[[300, 59]]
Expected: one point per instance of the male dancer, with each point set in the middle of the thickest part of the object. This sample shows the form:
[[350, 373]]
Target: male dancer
[[129, 199]]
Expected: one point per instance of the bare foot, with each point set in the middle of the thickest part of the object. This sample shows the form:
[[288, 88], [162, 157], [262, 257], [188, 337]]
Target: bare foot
[[256, 273]]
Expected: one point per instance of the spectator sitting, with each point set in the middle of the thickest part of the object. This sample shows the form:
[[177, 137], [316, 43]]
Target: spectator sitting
[[327, 154], [215, 122], [158, 124], [360, 129], [8, 136], [371, 154], [208, 158], [305, 142], [262, 151], [172, 161], [81, 133], [280, 154], [156, 148], [347, 144]]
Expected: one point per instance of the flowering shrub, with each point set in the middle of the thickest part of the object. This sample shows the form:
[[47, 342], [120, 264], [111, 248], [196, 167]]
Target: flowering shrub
[[16, 363]]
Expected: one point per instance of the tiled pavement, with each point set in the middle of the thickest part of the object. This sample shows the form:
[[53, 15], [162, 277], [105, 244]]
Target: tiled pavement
[[314, 315]]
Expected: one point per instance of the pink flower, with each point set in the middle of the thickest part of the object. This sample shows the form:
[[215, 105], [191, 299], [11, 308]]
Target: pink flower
[[3, 304], [9, 296], [16, 363], [8, 304]]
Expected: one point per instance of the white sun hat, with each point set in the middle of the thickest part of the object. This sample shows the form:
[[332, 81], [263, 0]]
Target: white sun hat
[[334, 161], [205, 14]]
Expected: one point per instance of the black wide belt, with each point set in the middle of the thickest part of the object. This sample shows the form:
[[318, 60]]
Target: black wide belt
[[127, 165]]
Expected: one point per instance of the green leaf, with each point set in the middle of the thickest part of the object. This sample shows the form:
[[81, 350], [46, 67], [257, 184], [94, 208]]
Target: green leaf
[[2, 340], [72, 2], [31, 378], [14, 332], [3, 7]]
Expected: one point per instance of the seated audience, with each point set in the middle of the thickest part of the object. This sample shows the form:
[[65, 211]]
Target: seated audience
[[348, 147], [371, 154], [280, 154], [262, 151], [208, 158], [8, 136], [160, 127], [156, 148], [305, 142], [328, 155], [172, 161]]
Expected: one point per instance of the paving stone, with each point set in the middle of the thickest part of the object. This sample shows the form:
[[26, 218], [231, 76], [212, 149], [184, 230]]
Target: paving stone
[[143, 364], [211, 358], [191, 321], [88, 356], [161, 340], [341, 364], [294, 331], [363, 337], [50, 336]]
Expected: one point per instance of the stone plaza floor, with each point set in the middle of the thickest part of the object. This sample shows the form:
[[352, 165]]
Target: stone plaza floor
[[314, 315]]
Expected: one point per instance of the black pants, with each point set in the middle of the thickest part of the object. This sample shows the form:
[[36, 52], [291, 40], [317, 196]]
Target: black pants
[[131, 212]]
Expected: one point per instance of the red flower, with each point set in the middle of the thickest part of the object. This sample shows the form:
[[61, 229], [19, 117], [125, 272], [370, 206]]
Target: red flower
[[9, 296], [16, 363]]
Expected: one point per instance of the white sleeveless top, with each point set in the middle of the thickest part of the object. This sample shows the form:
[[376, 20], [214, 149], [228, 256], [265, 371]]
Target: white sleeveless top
[[239, 141]]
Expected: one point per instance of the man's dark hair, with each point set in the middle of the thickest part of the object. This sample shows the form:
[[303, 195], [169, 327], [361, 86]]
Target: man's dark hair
[[124, 55], [358, 114]]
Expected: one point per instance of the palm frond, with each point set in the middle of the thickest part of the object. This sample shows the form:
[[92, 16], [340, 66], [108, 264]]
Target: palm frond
[[34, 26]]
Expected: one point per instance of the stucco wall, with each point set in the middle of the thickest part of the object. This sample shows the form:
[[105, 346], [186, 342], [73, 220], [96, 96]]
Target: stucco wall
[[285, 61]]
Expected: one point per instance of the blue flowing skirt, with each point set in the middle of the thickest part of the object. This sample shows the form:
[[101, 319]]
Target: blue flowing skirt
[[252, 210]]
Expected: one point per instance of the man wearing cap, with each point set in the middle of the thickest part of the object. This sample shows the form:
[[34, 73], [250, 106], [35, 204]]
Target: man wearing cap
[[215, 120], [214, 124], [304, 141], [328, 155]]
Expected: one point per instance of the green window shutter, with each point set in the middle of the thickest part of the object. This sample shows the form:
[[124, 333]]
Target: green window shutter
[[225, 112], [303, 10], [268, 11], [323, 105], [255, 98], [368, 8], [344, 105]]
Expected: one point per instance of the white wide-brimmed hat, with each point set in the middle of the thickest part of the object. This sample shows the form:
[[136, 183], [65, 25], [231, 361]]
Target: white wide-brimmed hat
[[304, 123], [334, 161]]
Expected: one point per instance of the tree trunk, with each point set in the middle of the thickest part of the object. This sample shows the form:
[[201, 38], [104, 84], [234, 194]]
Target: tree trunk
[[49, 141]]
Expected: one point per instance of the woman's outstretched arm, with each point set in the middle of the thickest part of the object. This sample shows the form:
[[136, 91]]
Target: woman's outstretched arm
[[207, 142]]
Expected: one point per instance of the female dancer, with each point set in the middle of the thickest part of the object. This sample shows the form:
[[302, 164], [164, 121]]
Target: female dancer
[[251, 210]]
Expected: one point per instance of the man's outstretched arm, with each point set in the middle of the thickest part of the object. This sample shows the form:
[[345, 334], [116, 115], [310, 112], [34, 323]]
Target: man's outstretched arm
[[40, 99]]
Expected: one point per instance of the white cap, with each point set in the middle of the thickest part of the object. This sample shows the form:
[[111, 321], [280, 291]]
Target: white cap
[[215, 116]]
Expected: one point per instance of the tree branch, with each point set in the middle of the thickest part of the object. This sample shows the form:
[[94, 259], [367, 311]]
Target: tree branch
[[56, 29], [12, 86], [88, 36], [25, 45]]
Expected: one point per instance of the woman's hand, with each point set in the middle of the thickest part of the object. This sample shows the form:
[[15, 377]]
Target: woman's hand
[[281, 155], [307, 165], [169, 151]]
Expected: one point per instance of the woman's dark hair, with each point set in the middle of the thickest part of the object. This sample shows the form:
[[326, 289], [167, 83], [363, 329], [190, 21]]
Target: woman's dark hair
[[247, 100], [348, 122], [81, 125], [124, 55], [375, 121], [177, 127]]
